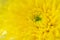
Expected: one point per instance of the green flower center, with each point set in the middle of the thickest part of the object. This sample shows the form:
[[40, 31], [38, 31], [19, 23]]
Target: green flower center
[[37, 18]]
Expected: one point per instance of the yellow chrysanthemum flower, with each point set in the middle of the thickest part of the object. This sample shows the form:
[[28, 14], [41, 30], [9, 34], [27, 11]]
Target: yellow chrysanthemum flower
[[29, 19]]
